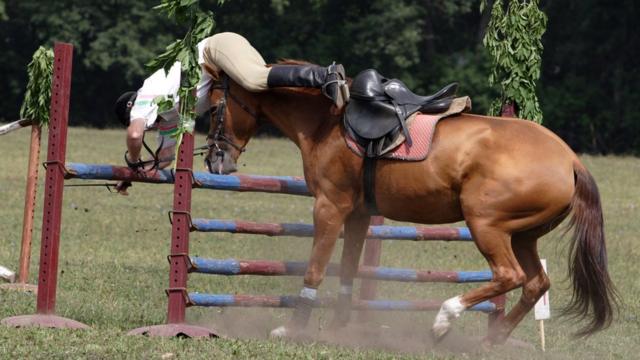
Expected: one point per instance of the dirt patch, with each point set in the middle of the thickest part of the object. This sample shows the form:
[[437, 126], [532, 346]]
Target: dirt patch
[[393, 332]]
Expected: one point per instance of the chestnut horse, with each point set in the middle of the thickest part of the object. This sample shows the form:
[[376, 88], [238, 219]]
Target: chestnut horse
[[512, 181]]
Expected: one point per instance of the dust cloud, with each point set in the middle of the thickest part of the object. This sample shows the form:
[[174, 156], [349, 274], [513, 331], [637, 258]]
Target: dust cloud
[[394, 332]]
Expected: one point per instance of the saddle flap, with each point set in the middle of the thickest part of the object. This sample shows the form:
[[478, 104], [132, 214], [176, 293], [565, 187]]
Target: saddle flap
[[371, 119]]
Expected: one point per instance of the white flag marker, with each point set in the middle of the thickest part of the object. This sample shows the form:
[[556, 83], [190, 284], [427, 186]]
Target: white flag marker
[[7, 274], [542, 308]]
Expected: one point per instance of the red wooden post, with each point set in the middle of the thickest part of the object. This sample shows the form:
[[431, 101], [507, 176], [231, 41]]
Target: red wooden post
[[508, 109], [371, 257], [29, 210], [179, 255], [54, 181], [52, 210], [29, 204], [179, 258]]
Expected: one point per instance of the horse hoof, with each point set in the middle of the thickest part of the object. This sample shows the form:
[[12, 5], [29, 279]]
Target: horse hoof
[[279, 332], [439, 330], [486, 345]]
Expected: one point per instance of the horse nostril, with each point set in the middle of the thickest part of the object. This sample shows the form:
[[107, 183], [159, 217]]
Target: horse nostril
[[220, 153]]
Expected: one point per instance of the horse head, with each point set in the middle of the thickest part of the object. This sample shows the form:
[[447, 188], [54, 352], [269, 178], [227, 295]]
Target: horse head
[[236, 114], [234, 119]]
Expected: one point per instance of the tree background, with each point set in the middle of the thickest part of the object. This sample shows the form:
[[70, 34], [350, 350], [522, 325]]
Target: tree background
[[587, 91]]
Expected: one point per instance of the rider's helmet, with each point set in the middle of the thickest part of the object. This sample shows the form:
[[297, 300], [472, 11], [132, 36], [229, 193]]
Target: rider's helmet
[[123, 107]]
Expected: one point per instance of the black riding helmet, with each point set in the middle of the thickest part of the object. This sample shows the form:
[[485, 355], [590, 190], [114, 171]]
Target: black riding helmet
[[123, 107]]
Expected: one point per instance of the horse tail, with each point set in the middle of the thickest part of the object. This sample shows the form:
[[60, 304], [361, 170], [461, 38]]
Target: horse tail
[[593, 290]]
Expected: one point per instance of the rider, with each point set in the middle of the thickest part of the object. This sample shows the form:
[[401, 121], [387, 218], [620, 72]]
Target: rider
[[243, 63], [233, 54]]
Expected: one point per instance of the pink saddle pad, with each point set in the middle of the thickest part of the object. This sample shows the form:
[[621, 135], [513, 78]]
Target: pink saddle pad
[[421, 130]]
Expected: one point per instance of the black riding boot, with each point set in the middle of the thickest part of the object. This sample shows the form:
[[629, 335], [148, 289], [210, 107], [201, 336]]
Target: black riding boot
[[330, 79]]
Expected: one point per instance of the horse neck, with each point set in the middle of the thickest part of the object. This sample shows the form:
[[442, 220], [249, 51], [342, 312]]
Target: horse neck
[[303, 118]]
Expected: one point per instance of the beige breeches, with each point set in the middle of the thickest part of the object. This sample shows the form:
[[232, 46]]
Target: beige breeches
[[237, 58]]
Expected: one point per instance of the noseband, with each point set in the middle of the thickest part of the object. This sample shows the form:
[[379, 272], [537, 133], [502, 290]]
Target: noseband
[[219, 135]]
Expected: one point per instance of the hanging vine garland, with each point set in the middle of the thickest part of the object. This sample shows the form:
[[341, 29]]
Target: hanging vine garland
[[514, 40], [200, 25], [37, 98]]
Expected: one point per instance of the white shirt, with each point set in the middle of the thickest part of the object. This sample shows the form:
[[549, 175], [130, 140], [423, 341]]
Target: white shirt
[[165, 84]]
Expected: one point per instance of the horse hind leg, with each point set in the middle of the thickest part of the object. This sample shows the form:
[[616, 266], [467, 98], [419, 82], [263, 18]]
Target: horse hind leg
[[495, 245], [536, 283]]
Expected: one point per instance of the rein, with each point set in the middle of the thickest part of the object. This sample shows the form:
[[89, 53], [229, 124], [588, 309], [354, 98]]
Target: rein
[[154, 157], [155, 160]]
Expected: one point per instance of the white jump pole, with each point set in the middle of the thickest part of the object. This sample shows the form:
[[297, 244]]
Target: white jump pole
[[542, 309]]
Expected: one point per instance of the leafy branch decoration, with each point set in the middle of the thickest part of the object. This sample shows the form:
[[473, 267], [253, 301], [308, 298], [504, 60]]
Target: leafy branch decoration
[[37, 98], [200, 25], [514, 41]]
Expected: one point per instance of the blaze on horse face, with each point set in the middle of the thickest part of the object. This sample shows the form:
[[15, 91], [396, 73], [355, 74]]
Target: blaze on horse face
[[232, 125]]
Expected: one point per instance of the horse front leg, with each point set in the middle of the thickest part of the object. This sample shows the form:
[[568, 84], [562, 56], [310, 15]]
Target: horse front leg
[[328, 220], [355, 232]]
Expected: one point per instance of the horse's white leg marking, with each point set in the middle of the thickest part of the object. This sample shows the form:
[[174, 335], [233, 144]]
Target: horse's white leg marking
[[309, 293], [283, 331], [279, 332], [450, 309]]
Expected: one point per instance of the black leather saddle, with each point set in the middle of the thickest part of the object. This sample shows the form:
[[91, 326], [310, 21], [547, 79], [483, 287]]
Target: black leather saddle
[[379, 107]]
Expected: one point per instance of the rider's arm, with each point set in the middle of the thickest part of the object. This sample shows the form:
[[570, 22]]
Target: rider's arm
[[135, 133]]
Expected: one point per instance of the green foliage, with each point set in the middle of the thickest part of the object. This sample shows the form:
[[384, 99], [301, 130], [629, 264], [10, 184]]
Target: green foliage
[[590, 75], [371, 32], [164, 102], [514, 40], [470, 69], [587, 86], [112, 40], [37, 98], [3, 11], [200, 25]]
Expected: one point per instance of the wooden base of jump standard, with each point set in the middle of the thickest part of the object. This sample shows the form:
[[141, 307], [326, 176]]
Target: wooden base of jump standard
[[46, 321], [174, 330], [20, 287]]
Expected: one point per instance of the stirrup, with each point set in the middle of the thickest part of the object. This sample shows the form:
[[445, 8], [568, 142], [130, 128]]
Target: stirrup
[[341, 96]]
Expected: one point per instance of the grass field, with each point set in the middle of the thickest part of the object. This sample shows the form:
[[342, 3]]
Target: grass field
[[113, 270]]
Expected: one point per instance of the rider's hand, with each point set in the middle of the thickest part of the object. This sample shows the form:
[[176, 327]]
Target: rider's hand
[[122, 187]]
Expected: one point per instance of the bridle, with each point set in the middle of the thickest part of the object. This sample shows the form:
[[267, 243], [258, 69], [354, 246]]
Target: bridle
[[219, 136]]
